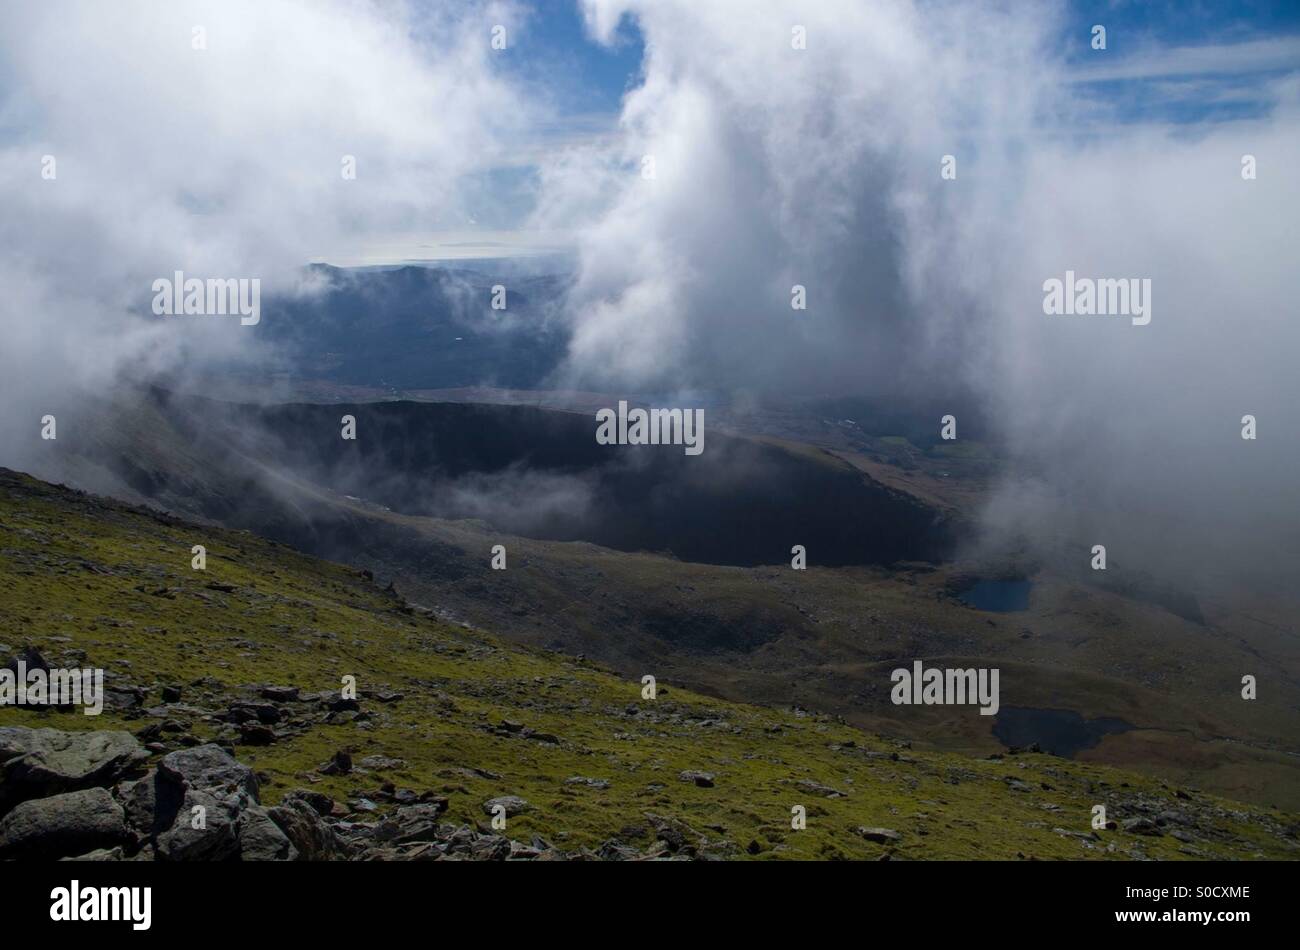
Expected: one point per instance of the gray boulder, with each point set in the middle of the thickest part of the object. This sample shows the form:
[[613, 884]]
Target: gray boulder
[[302, 824], [36, 763], [63, 825], [260, 838], [880, 835], [206, 828], [513, 805], [210, 768]]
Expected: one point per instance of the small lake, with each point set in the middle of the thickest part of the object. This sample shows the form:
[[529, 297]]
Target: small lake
[[1059, 731], [998, 596]]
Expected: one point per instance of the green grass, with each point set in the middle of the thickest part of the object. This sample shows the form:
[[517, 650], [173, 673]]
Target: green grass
[[71, 565]]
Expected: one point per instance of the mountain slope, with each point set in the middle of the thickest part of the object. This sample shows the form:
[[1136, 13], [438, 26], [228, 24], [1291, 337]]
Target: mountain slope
[[91, 582]]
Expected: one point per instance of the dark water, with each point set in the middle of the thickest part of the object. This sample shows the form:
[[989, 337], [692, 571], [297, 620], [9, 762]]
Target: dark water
[[1058, 731], [998, 596]]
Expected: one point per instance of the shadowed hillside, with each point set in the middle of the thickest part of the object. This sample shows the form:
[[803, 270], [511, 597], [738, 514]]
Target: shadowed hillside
[[531, 472]]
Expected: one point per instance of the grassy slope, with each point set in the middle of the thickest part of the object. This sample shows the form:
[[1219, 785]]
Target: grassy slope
[[840, 631], [825, 637], [71, 565]]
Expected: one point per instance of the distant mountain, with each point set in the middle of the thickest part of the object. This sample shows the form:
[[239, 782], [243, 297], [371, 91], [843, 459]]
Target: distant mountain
[[422, 328]]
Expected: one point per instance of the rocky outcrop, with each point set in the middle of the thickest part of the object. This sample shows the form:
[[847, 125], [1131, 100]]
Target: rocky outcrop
[[63, 825], [37, 763], [201, 804], [73, 795]]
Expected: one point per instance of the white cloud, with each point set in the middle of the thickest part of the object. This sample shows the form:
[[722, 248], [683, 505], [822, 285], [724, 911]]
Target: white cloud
[[1280, 53], [221, 162], [821, 167]]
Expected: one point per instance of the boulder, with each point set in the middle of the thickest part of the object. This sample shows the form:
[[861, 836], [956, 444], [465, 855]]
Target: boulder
[[302, 824], [261, 839], [513, 804], [588, 782], [36, 763], [63, 825], [209, 768], [266, 713], [702, 779], [880, 835], [1142, 826], [255, 733], [206, 827], [280, 694], [340, 764]]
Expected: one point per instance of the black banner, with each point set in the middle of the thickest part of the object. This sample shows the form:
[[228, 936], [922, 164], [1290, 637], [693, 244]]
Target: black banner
[[1219, 900]]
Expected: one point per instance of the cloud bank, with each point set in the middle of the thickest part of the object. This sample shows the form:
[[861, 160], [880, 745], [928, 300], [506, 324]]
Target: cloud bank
[[211, 137], [776, 166]]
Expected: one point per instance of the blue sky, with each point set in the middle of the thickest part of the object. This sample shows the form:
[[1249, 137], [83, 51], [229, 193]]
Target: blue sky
[[1254, 39], [586, 77], [1186, 63]]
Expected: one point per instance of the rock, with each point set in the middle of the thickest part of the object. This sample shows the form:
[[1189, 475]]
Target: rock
[[321, 803], [267, 713], [340, 764], [513, 804], [307, 831], [280, 694], [1142, 826], [171, 694], [63, 825], [589, 782], [380, 762], [151, 804], [35, 763], [261, 839], [702, 779], [412, 823], [254, 733], [339, 704], [816, 788], [209, 768], [120, 700], [31, 659], [211, 834], [490, 848], [880, 835], [676, 835]]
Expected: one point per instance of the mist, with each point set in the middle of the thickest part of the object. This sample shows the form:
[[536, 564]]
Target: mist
[[775, 166], [772, 166], [224, 139]]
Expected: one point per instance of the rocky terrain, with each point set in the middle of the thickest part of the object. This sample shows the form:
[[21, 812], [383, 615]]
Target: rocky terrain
[[228, 691], [90, 796]]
